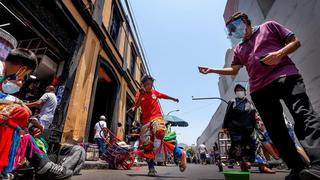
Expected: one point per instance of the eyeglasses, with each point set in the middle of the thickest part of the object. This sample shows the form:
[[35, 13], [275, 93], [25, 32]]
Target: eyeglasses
[[231, 27]]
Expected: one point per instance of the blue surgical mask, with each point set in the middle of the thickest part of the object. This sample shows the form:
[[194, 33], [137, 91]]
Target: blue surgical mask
[[10, 87], [237, 29]]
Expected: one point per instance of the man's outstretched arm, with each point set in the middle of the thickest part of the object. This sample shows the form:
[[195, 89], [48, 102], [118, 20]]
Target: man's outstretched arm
[[233, 70], [35, 104]]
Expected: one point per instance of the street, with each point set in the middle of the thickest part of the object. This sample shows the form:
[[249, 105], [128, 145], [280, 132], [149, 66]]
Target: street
[[194, 171]]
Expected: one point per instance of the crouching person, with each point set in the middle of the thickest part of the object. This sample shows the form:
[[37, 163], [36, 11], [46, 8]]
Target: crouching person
[[16, 144]]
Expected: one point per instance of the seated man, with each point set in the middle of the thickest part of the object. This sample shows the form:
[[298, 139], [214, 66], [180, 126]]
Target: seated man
[[15, 144]]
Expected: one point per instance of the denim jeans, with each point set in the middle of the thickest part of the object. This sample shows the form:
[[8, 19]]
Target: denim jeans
[[101, 144]]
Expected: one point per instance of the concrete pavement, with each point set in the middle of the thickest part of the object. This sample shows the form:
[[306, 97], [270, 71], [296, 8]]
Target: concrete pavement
[[193, 172]]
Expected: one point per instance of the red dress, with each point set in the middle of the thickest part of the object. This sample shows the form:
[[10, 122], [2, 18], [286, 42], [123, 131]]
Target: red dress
[[12, 115]]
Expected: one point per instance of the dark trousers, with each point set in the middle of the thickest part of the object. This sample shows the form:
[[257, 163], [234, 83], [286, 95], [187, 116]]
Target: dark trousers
[[291, 90]]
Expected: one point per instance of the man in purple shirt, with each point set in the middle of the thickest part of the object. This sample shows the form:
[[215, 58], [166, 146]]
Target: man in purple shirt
[[273, 77]]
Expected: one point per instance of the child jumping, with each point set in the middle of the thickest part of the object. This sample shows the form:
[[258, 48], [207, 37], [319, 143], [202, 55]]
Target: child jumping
[[153, 124]]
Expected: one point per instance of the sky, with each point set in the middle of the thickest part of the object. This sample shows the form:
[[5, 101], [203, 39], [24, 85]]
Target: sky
[[178, 36]]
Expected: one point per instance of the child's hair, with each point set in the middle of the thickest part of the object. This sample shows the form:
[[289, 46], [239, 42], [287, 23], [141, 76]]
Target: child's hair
[[146, 78], [25, 57]]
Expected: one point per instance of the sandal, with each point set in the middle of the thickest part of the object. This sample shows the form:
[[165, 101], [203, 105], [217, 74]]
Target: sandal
[[265, 169], [183, 162]]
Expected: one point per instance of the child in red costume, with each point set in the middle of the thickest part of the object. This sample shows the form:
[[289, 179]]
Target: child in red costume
[[153, 124]]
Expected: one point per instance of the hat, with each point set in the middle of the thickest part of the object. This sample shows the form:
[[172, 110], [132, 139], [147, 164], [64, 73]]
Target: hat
[[7, 43], [102, 117], [239, 86]]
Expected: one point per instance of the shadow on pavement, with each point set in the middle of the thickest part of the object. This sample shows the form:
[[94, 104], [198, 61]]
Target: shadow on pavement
[[159, 176]]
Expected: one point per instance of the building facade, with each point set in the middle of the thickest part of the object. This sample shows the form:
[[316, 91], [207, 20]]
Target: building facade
[[89, 51], [108, 72], [299, 16]]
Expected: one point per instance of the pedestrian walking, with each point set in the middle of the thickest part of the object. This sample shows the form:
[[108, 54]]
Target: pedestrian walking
[[99, 134], [153, 124], [273, 77], [202, 150], [47, 104], [240, 123]]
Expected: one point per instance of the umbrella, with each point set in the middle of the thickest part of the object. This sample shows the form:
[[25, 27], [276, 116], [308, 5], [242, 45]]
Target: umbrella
[[175, 121]]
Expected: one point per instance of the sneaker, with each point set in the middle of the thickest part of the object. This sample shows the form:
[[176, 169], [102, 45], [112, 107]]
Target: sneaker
[[275, 162], [53, 171], [310, 174], [8, 176], [294, 175], [152, 173]]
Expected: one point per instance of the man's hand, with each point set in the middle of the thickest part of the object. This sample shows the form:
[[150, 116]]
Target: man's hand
[[273, 58], [204, 70], [133, 109]]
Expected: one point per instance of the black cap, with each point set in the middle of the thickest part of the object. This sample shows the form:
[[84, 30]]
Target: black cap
[[239, 86]]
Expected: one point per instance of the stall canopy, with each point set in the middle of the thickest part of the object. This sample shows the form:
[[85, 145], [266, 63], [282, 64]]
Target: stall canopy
[[175, 121]]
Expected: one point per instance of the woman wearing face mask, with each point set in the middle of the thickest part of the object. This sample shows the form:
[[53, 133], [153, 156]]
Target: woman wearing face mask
[[240, 123]]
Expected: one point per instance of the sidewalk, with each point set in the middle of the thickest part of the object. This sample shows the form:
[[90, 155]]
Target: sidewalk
[[104, 165]]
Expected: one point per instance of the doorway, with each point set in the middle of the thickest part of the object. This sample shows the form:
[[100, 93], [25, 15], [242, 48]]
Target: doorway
[[104, 97]]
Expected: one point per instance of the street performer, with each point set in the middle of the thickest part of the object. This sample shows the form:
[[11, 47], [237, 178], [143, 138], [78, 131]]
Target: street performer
[[153, 124]]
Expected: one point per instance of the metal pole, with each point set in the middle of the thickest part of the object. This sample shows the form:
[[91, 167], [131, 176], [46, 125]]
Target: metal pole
[[173, 111], [207, 98]]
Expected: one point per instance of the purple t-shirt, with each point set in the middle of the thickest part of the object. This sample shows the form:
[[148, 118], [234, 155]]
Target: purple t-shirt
[[268, 37]]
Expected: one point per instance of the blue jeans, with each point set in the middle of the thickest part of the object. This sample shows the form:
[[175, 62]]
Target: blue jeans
[[101, 144]]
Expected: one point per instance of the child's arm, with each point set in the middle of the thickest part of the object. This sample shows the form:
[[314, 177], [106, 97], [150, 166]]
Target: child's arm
[[138, 99], [164, 96]]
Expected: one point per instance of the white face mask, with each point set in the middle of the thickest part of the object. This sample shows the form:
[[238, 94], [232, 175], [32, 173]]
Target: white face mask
[[10, 88], [240, 94]]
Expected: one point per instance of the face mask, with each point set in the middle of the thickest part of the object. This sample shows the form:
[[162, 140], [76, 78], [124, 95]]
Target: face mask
[[237, 29], [240, 94], [10, 88]]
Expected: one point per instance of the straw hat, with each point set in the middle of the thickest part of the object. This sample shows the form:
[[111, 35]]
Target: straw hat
[[4, 35]]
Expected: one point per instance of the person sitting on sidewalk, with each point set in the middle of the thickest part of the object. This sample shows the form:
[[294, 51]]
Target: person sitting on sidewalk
[[153, 124], [15, 144]]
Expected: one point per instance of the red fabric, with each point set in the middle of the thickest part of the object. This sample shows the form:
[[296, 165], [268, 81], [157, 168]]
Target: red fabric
[[150, 105], [18, 117]]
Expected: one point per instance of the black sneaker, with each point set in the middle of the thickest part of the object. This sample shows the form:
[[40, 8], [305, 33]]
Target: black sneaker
[[294, 175], [310, 174], [53, 171], [152, 173]]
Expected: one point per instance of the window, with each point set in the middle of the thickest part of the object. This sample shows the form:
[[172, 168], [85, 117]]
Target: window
[[265, 6], [143, 72], [125, 52], [133, 61], [115, 23], [130, 116]]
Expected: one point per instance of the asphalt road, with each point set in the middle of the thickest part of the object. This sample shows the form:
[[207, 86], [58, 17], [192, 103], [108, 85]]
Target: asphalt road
[[194, 172]]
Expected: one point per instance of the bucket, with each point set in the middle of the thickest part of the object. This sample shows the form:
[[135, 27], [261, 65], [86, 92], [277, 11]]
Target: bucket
[[92, 153], [236, 175]]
